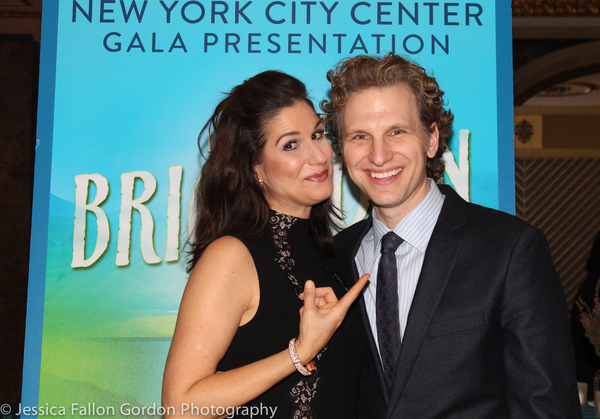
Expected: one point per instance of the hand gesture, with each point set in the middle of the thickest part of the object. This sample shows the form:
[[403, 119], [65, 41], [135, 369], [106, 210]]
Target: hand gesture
[[321, 315]]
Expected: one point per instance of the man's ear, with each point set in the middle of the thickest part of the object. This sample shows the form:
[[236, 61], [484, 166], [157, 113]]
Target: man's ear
[[434, 141]]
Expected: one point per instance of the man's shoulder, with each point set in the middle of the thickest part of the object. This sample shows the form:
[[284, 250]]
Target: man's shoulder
[[481, 225], [482, 213], [480, 216], [496, 220]]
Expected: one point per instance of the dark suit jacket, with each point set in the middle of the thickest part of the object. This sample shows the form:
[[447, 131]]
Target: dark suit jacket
[[487, 333]]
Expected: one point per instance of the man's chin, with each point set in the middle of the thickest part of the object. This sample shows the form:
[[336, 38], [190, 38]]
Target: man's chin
[[384, 206]]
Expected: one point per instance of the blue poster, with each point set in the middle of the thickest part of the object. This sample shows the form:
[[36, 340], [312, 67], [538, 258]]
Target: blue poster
[[125, 88]]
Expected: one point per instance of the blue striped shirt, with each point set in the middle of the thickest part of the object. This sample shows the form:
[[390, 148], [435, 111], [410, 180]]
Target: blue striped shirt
[[415, 229]]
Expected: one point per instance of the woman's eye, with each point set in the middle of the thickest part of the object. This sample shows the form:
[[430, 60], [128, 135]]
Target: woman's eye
[[397, 132], [360, 137], [290, 145], [318, 135]]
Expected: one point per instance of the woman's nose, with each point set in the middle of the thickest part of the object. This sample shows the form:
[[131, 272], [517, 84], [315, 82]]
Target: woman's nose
[[318, 152]]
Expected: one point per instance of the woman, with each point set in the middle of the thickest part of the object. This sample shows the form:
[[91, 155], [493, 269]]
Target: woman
[[245, 343]]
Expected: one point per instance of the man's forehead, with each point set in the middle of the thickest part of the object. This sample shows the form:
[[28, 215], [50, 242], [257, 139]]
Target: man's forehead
[[401, 88], [394, 98]]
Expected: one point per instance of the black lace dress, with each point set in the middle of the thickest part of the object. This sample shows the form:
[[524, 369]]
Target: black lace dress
[[285, 257]]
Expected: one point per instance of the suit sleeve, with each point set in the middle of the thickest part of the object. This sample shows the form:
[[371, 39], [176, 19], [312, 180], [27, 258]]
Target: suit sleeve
[[538, 354]]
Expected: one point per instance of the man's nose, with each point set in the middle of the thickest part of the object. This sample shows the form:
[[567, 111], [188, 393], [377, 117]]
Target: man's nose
[[380, 152]]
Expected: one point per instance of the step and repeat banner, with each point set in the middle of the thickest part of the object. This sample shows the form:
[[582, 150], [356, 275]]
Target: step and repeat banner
[[126, 86]]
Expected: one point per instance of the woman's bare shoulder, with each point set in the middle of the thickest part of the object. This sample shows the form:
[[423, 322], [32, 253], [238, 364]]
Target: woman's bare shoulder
[[225, 249], [225, 259], [224, 281]]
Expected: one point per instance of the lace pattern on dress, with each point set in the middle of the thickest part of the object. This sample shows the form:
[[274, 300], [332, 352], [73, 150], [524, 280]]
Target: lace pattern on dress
[[306, 388], [280, 224]]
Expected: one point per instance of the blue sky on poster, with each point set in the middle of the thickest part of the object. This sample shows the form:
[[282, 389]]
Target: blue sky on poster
[[117, 112]]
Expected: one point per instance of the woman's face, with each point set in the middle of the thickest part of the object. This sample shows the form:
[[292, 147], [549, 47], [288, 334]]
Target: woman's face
[[296, 164]]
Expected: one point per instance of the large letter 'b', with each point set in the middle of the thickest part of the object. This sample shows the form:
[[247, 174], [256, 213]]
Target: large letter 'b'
[[81, 208]]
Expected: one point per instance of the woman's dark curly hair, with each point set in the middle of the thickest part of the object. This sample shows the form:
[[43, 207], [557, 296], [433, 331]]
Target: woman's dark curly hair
[[228, 196], [362, 72]]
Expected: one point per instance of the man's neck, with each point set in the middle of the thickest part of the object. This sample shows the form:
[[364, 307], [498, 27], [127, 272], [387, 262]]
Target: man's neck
[[390, 216], [393, 215]]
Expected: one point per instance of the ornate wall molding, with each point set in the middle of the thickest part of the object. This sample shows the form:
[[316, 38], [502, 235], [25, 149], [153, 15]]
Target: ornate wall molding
[[556, 67], [528, 8]]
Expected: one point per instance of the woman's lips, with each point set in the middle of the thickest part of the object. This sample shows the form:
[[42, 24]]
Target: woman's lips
[[318, 177]]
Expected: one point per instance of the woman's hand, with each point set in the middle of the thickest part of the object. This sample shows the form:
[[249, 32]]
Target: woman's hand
[[323, 296], [321, 315]]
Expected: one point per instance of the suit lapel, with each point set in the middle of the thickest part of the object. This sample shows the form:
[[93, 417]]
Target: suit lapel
[[440, 258], [355, 240]]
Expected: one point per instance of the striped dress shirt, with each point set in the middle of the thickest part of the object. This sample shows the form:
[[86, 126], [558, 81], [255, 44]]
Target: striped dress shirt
[[415, 229]]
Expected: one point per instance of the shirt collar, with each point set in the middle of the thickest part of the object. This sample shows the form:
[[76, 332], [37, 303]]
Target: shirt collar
[[417, 226]]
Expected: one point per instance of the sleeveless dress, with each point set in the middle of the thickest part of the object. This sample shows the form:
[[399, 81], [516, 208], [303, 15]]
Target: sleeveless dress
[[285, 256]]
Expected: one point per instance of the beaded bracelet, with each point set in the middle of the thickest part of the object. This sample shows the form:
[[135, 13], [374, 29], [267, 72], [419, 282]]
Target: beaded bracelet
[[309, 369]]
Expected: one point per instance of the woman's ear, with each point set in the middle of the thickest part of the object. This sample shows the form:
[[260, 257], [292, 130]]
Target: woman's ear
[[258, 174]]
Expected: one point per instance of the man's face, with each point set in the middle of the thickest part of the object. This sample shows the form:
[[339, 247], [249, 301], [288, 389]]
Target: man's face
[[386, 149]]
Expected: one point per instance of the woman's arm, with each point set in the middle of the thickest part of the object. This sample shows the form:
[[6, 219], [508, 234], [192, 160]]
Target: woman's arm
[[222, 294]]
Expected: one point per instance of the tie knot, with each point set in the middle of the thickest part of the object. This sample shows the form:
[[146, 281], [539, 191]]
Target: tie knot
[[390, 242]]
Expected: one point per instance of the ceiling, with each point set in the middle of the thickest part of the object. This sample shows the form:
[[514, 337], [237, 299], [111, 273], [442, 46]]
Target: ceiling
[[16, 8]]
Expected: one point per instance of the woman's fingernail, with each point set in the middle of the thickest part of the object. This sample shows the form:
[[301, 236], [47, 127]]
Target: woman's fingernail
[[309, 284]]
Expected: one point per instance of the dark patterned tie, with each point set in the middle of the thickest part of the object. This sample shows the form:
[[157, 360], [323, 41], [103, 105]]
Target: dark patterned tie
[[388, 317]]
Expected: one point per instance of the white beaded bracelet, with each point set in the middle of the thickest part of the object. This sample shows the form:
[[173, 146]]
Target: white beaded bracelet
[[309, 369]]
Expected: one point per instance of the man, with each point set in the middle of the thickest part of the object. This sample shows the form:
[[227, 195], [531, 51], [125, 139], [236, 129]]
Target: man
[[467, 313]]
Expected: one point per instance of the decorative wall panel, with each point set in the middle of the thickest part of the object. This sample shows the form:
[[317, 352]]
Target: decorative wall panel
[[561, 196]]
